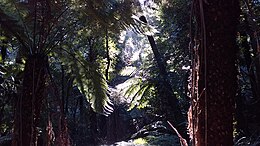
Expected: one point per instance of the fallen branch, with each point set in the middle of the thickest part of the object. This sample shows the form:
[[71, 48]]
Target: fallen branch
[[182, 140]]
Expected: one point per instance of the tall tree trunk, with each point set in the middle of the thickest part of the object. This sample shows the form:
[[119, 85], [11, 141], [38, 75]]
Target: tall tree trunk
[[108, 57], [214, 73], [30, 102], [92, 114], [170, 102], [62, 88]]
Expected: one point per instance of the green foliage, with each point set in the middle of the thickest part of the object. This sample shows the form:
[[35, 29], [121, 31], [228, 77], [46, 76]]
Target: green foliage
[[89, 78], [139, 91], [172, 22], [73, 37], [11, 22], [8, 89], [140, 141], [113, 15], [163, 140], [70, 21]]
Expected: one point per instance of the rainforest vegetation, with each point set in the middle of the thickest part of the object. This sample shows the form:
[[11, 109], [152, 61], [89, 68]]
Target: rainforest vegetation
[[129, 72]]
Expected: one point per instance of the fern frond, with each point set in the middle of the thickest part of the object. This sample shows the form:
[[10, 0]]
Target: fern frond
[[110, 14], [136, 90], [91, 81], [13, 26]]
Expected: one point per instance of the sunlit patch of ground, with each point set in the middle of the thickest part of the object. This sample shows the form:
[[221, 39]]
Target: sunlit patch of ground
[[160, 140]]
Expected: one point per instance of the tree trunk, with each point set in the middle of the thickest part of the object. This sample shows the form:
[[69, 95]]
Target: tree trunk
[[108, 57], [170, 102], [30, 102], [214, 73]]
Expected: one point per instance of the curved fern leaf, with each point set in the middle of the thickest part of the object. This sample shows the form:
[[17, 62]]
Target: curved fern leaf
[[91, 81], [12, 25], [137, 90]]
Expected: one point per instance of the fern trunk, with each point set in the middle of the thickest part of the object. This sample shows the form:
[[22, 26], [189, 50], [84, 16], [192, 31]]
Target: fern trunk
[[30, 102], [214, 73]]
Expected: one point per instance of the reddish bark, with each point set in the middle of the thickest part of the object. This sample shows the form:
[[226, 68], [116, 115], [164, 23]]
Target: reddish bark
[[30, 102], [214, 73]]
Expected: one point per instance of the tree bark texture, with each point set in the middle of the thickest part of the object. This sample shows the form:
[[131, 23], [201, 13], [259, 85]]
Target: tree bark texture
[[214, 81], [30, 102]]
